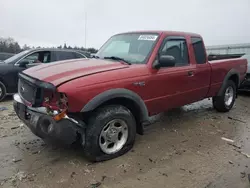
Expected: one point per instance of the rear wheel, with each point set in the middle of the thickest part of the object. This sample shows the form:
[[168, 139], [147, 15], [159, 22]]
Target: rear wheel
[[225, 102], [110, 133], [2, 91]]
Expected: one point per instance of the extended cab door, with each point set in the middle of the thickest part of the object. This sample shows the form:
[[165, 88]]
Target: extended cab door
[[202, 70], [174, 86]]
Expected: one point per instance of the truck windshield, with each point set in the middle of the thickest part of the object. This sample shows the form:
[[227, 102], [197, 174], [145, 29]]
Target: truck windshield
[[131, 47]]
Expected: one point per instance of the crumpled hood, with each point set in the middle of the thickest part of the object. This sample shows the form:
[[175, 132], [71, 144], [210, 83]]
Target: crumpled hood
[[63, 71]]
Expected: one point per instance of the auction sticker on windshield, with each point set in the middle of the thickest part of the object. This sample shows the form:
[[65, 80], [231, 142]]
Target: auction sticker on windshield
[[147, 37]]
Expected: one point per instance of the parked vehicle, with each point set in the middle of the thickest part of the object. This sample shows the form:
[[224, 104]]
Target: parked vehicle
[[103, 102], [4, 55], [246, 83], [10, 67]]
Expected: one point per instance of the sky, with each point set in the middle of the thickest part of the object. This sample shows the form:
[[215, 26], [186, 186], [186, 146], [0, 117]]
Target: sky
[[55, 22]]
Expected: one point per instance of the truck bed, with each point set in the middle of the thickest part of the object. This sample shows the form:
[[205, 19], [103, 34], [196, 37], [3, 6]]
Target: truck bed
[[219, 70]]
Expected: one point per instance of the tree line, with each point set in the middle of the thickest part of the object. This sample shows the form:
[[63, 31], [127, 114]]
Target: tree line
[[9, 45]]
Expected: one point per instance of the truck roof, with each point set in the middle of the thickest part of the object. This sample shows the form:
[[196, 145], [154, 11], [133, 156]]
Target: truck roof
[[178, 33]]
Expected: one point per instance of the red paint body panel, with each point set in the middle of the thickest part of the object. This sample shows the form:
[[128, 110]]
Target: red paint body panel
[[62, 71], [164, 88], [219, 70]]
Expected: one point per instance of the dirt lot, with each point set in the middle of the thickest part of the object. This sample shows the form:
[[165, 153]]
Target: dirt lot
[[182, 148]]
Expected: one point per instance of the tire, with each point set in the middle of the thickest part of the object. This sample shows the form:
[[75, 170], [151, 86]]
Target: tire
[[220, 103], [101, 123], [2, 91]]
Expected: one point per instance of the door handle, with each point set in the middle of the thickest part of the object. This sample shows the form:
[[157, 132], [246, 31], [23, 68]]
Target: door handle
[[190, 73]]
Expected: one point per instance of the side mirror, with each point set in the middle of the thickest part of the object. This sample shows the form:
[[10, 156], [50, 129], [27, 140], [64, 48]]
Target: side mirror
[[23, 64], [166, 61]]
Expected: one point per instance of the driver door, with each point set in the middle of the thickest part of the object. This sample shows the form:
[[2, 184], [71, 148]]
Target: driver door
[[172, 87]]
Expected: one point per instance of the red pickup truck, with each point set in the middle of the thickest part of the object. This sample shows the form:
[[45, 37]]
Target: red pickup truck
[[103, 102]]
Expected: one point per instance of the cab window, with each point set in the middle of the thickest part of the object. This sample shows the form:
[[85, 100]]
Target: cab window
[[199, 50], [178, 49]]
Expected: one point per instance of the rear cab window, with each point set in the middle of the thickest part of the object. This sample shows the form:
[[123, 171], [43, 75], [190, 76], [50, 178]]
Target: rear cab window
[[199, 50]]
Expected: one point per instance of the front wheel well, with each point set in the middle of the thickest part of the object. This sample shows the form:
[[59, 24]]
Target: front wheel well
[[131, 105]]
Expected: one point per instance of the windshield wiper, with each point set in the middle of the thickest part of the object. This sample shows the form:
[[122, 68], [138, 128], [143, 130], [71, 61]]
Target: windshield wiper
[[118, 59]]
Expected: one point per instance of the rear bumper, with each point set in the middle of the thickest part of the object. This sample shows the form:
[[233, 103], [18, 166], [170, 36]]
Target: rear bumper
[[66, 131]]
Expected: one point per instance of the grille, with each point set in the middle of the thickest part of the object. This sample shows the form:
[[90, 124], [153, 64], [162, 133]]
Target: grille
[[32, 90], [27, 91]]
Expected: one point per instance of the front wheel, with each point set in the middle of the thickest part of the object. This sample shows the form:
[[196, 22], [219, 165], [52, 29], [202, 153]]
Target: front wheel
[[110, 133], [225, 102]]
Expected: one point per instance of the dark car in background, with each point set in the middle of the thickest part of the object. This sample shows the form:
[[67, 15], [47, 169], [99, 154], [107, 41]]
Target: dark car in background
[[4, 55], [246, 83], [10, 67]]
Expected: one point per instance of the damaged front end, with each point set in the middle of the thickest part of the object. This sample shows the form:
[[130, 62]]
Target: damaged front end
[[44, 111]]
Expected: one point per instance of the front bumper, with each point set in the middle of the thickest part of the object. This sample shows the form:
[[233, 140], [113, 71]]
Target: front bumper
[[66, 130]]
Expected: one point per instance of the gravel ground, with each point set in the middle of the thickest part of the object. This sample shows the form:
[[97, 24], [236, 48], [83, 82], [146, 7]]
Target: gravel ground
[[183, 148]]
